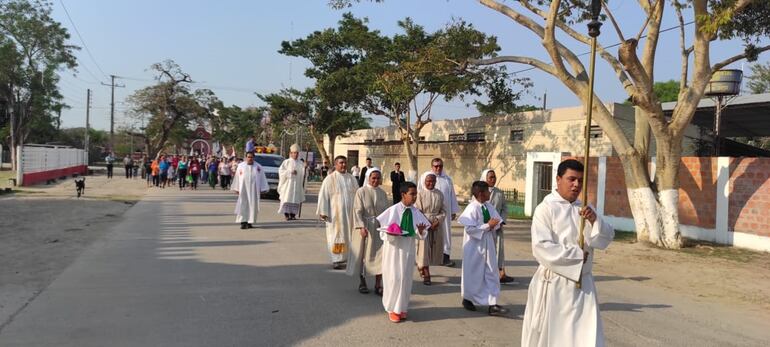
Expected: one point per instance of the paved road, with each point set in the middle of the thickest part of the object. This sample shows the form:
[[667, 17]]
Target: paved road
[[176, 271]]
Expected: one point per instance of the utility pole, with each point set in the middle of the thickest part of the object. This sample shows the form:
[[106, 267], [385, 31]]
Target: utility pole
[[87, 138], [112, 85]]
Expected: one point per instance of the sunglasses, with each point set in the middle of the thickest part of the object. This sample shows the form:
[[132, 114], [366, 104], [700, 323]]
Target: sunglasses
[[438, 165]]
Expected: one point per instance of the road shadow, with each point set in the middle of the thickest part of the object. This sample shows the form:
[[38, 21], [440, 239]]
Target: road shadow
[[619, 306], [620, 278]]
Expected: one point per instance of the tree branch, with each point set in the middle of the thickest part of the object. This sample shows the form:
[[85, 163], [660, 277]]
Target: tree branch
[[612, 19], [685, 52], [539, 64], [651, 43], [718, 66]]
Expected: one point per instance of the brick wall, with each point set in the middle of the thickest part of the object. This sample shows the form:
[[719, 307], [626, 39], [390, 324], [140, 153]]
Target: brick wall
[[697, 191], [749, 206], [615, 193]]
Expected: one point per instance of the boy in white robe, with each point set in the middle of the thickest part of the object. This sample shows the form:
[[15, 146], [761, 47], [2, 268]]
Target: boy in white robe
[[249, 182], [559, 313], [480, 282], [399, 225]]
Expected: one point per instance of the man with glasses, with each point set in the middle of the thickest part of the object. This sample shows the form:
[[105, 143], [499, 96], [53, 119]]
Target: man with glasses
[[444, 185]]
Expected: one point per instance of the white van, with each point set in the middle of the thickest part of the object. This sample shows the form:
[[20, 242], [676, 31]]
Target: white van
[[271, 163]]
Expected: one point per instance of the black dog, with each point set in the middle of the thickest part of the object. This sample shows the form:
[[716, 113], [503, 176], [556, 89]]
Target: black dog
[[80, 185]]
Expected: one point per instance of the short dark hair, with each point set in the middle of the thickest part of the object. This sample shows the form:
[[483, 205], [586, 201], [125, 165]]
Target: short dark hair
[[436, 159], [369, 159], [397, 163], [406, 186], [478, 187], [340, 157], [571, 164], [247, 153]]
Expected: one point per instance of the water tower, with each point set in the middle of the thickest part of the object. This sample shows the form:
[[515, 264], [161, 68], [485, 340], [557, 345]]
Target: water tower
[[724, 86]]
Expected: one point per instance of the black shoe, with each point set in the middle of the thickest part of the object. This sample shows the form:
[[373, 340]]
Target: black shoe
[[362, 288], [248, 225], [338, 266], [468, 305], [447, 262], [506, 279], [497, 311], [244, 225], [288, 217], [292, 217]]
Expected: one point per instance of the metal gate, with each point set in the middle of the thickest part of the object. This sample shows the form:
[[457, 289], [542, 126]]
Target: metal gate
[[544, 171]]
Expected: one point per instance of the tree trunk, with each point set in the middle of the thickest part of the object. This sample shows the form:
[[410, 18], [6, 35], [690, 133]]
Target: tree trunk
[[319, 143], [655, 211]]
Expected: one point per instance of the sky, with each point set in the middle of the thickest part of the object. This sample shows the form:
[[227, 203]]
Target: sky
[[231, 47]]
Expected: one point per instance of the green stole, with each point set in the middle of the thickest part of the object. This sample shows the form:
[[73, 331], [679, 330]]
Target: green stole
[[485, 212], [407, 223]]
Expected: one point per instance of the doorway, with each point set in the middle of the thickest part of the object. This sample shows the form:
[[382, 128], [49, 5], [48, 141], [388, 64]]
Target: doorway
[[543, 180]]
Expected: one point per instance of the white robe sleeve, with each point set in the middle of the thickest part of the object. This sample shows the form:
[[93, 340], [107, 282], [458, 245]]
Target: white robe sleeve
[[469, 219], [324, 206], [602, 234], [235, 186], [284, 172], [454, 206], [263, 186], [565, 260], [419, 218]]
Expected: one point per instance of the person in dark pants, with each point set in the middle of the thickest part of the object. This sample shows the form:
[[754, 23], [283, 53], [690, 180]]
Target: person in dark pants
[[195, 172], [110, 159], [181, 170], [128, 165], [397, 179], [363, 172]]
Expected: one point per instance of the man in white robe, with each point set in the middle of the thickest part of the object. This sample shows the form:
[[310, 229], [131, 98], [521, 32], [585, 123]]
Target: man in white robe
[[559, 313], [497, 199], [445, 185], [398, 251], [291, 190], [335, 207], [480, 284], [248, 183]]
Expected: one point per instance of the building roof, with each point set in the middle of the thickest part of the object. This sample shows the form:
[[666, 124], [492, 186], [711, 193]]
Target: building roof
[[744, 115]]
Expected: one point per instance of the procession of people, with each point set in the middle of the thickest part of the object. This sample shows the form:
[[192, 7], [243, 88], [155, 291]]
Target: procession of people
[[373, 236]]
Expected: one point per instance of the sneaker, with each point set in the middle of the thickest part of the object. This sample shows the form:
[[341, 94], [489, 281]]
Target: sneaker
[[394, 317]]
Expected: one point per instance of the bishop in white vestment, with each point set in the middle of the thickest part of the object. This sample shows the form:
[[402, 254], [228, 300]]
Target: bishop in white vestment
[[558, 313], [248, 182], [335, 207], [291, 179]]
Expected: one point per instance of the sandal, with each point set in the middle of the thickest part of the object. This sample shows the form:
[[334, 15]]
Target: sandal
[[363, 289]]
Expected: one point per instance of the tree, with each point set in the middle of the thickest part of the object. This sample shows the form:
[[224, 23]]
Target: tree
[[654, 203], [666, 91], [33, 47], [401, 77], [309, 109], [173, 108], [759, 80], [234, 125]]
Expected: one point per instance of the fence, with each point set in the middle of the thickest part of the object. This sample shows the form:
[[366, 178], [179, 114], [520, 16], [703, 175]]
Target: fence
[[41, 163]]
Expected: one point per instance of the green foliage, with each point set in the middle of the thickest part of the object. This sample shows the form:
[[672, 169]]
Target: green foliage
[[234, 125], [666, 91], [33, 48], [759, 80]]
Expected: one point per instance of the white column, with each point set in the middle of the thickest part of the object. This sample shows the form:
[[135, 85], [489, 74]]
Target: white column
[[601, 183], [19, 165], [529, 183], [723, 200]]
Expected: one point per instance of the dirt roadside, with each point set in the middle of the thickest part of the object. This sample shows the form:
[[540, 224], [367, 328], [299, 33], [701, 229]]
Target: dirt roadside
[[44, 228]]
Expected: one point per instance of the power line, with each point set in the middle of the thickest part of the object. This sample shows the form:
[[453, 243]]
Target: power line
[[81, 39], [610, 46]]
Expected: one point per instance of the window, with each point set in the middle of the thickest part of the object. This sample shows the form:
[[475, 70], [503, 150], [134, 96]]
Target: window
[[422, 138], [595, 132], [517, 135], [457, 137], [367, 141], [379, 140], [475, 137]]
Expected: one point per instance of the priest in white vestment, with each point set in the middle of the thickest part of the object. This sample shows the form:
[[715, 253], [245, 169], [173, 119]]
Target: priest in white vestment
[[291, 179], [558, 313], [248, 182], [335, 208], [399, 226], [444, 185], [480, 284]]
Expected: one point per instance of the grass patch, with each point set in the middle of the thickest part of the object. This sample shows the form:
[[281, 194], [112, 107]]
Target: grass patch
[[709, 249], [625, 236]]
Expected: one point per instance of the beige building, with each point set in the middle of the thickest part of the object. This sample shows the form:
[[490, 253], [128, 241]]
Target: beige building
[[502, 143]]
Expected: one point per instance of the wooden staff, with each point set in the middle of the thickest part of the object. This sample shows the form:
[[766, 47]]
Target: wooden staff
[[593, 31]]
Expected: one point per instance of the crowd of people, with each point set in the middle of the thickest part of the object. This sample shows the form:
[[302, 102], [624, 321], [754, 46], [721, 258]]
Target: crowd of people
[[187, 172], [371, 234]]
